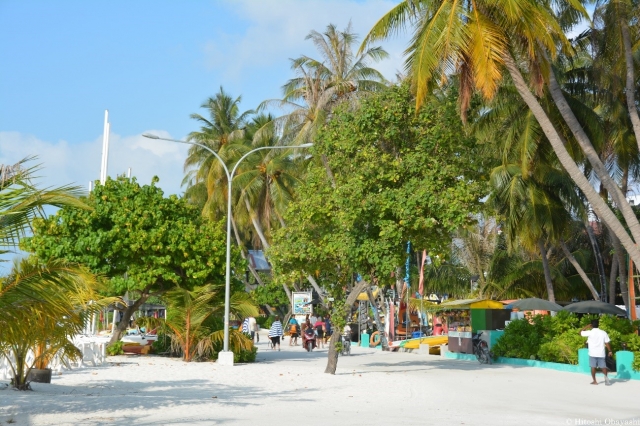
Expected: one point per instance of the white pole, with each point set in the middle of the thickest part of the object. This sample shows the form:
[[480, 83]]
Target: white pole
[[105, 148], [129, 172], [90, 185]]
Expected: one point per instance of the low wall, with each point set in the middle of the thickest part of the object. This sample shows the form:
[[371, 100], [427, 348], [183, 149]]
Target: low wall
[[93, 354], [624, 361]]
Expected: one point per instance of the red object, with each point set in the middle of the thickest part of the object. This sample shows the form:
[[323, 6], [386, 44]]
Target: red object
[[421, 286], [437, 330]]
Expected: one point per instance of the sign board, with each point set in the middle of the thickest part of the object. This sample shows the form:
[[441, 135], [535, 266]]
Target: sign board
[[301, 303]]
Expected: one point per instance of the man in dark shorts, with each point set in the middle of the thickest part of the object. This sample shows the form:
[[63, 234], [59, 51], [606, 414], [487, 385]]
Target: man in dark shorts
[[275, 332]]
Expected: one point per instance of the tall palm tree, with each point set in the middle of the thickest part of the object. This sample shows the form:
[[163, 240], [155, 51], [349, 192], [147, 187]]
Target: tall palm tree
[[320, 84], [478, 40], [224, 125]]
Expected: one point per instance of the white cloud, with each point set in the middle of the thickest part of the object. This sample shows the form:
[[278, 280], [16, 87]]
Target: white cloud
[[63, 163], [277, 30]]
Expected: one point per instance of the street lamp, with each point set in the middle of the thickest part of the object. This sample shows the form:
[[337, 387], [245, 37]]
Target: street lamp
[[226, 356]]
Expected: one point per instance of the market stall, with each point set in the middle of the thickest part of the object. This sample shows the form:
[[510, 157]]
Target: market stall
[[467, 316]]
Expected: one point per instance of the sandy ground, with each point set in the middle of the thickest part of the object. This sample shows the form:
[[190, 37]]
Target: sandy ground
[[289, 388]]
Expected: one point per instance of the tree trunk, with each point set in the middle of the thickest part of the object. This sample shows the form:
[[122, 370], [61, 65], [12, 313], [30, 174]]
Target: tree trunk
[[332, 356], [244, 256], [256, 225], [599, 262], [600, 207], [578, 268], [547, 271], [376, 317], [121, 327], [612, 278], [594, 159], [630, 83], [623, 264], [317, 289]]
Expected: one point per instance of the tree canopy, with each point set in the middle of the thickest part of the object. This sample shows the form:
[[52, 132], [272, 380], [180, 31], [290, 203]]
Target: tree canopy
[[400, 176]]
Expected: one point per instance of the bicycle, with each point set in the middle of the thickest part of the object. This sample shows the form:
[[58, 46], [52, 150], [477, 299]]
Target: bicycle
[[346, 345], [481, 349]]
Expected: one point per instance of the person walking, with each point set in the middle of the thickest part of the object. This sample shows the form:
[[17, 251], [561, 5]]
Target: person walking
[[253, 329], [328, 329], [597, 340], [245, 326], [319, 326], [294, 331], [276, 332]]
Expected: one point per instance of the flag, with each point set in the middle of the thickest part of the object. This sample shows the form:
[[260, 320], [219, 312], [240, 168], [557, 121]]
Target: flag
[[421, 285]]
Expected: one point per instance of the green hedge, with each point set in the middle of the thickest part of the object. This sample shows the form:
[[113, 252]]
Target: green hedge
[[557, 338]]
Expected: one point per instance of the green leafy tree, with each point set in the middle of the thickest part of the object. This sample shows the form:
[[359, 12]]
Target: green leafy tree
[[399, 176], [145, 243], [479, 40]]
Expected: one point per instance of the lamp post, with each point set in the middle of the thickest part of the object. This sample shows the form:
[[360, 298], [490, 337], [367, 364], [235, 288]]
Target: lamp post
[[226, 356]]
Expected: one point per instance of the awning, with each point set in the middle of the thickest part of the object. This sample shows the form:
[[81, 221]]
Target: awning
[[363, 296], [468, 304]]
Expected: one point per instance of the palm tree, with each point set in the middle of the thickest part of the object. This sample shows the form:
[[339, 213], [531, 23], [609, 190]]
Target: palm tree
[[320, 84], [21, 201], [44, 305], [188, 315], [224, 125], [477, 40]]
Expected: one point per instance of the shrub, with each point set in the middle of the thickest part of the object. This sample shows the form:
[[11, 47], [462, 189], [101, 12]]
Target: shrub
[[521, 339], [115, 349], [245, 355], [562, 349], [162, 345]]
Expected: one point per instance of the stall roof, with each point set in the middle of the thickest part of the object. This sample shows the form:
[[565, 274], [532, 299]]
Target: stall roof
[[364, 297], [469, 304]]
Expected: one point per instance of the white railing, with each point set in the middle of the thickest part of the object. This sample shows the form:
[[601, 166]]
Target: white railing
[[93, 354]]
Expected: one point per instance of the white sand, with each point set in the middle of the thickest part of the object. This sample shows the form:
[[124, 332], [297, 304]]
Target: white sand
[[289, 388]]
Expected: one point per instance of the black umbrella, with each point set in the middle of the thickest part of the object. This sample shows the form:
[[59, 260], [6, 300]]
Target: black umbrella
[[594, 307], [535, 304]]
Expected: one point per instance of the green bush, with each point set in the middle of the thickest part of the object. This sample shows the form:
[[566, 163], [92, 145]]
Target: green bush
[[521, 339], [162, 345], [557, 338], [562, 349], [115, 349], [245, 355]]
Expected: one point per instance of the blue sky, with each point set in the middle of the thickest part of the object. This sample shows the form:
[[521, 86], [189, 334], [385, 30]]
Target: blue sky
[[151, 63]]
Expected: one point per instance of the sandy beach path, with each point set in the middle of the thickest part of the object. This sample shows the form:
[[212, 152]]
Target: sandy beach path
[[289, 388]]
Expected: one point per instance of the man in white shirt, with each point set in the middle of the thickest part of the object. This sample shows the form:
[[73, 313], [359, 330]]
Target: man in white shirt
[[253, 329], [597, 340]]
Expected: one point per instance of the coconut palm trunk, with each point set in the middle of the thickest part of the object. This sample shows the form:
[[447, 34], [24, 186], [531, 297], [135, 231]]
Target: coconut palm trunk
[[578, 268], [599, 262], [547, 271], [594, 159], [630, 83], [600, 207], [244, 256], [612, 278]]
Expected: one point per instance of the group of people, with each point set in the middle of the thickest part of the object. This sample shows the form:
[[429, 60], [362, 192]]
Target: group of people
[[321, 327]]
